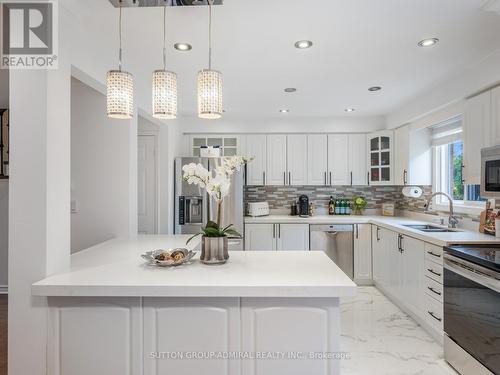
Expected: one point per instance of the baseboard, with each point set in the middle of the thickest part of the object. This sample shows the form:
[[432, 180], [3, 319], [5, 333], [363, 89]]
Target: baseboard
[[4, 289]]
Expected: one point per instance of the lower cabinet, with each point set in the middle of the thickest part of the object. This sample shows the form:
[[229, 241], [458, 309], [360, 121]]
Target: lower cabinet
[[363, 254], [277, 237]]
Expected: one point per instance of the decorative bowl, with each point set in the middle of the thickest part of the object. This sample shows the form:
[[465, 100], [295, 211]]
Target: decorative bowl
[[168, 258]]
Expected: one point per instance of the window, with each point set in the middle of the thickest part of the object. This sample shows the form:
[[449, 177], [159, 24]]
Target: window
[[448, 161]]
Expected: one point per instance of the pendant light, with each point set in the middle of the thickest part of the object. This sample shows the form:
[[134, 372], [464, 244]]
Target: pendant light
[[164, 85], [120, 87], [209, 82]]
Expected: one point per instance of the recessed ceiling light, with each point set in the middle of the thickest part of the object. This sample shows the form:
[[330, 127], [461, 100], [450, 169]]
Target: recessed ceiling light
[[303, 44], [284, 110], [349, 109], [428, 42], [374, 88], [290, 89], [183, 46]]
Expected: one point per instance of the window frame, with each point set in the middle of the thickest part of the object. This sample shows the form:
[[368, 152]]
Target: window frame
[[440, 182]]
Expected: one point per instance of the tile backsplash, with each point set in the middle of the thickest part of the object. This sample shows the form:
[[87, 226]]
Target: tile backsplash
[[281, 197]]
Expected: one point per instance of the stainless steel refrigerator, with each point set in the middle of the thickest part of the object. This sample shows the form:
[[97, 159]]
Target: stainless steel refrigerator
[[194, 207]]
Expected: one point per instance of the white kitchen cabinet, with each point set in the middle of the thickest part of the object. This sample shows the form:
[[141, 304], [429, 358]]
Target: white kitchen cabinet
[[276, 160], [384, 245], [263, 237], [296, 160], [256, 169], [380, 157], [260, 237], [362, 254], [338, 159], [357, 159], [412, 156], [317, 159], [412, 276], [476, 134], [292, 237], [230, 144]]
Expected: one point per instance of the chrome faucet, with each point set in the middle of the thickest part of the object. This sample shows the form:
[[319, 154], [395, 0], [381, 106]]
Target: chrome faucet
[[452, 220]]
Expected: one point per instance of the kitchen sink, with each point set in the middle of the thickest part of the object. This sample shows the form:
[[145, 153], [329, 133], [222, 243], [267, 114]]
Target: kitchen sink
[[429, 228]]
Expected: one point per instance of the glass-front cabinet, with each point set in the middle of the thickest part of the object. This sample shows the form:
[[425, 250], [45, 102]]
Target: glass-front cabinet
[[380, 157]]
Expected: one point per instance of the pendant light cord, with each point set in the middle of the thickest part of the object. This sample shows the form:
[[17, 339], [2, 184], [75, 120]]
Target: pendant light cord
[[120, 37], [210, 34], [165, 37]]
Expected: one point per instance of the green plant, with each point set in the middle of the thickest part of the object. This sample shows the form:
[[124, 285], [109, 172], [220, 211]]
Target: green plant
[[359, 203], [213, 230]]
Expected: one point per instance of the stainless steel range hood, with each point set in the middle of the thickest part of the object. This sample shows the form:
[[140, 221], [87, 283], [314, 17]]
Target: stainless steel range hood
[[158, 3]]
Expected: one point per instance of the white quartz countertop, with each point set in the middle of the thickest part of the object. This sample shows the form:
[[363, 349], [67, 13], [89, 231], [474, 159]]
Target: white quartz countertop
[[114, 268], [457, 237]]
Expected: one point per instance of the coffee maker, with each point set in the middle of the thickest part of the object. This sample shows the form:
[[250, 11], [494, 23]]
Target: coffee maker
[[303, 206]]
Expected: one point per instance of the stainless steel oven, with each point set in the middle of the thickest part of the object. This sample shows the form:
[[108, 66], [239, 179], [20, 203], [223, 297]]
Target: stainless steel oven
[[472, 309], [490, 172]]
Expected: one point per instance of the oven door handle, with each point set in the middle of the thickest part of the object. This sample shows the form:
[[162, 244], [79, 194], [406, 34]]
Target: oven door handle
[[453, 264]]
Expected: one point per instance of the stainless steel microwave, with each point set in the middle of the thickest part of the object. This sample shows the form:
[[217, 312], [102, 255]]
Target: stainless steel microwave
[[490, 172]]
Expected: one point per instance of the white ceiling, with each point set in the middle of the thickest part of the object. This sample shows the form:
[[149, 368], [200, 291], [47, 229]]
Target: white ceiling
[[357, 44]]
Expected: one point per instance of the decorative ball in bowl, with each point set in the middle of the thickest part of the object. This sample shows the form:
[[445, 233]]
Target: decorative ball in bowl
[[168, 258]]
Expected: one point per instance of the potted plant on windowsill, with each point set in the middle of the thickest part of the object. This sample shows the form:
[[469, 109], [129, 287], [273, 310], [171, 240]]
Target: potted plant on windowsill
[[214, 241]]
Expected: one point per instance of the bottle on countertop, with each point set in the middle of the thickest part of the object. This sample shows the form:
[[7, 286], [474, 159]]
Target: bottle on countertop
[[337, 206], [311, 209], [331, 206], [348, 207], [342, 206]]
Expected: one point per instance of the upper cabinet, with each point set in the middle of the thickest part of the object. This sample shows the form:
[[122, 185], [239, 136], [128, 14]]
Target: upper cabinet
[[276, 160], [380, 157], [338, 159], [357, 159], [230, 144], [477, 133], [495, 116], [296, 159], [317, 159], [412, 160], [256, 169]]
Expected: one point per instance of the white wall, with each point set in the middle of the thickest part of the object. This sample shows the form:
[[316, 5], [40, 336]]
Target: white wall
[[4, 231], [287, 124], [450, 92], [100, 169]]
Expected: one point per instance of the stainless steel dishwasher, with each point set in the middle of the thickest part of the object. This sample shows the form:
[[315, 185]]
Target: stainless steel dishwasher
[[337, 241]]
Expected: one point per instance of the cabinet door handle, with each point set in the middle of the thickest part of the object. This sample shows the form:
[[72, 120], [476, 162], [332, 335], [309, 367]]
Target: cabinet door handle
[[284, 178], [357, 230], [405, 177], [351, 178], [434, 254], [434, 316], [289, 178], [330, 178], [325, 178], [263, 178], [433, 272], [279, 230], [434, 290], [402, 244], [274, 230], [378, 234], [368, 177], [463, 178], [399, 242]]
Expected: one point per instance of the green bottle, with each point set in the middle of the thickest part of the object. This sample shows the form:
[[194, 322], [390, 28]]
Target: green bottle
[[342, 206], [337, 206]]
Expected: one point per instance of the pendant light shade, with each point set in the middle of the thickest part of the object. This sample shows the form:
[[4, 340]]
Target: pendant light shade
[[119, 87], [164, 94], [164, 85], [209, 94], [209, 82], [120, 94]]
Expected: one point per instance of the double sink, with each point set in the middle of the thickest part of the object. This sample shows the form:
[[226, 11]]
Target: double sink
[[429, 228]]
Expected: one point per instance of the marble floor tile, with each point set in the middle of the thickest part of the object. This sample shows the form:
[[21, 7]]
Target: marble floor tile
[[383, 340]]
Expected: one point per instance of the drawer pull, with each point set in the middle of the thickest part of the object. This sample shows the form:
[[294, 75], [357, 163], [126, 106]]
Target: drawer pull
[[434, 316], [433, 272], [434, 290], [434, 254]]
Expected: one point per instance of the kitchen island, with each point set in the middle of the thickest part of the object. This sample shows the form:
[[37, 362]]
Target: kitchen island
[[260, 313]]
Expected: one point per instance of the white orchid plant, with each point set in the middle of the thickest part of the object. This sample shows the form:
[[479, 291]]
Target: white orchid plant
[[217, 185]]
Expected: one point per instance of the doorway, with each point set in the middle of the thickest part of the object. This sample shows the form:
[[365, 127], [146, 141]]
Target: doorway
[[147, 184]]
